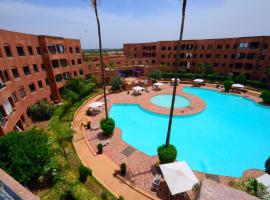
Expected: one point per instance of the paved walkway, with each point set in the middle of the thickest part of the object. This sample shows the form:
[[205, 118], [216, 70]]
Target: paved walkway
[[103, 167]]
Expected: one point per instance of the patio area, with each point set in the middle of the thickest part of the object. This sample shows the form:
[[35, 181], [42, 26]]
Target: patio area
[[141, 168]]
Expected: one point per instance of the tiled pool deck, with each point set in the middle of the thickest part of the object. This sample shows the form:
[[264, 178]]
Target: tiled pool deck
[[141, 167]]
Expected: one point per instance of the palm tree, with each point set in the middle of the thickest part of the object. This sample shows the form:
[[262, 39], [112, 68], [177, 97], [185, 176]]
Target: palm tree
[[176, 73], [111, 66], [94, 4], [205, 68]]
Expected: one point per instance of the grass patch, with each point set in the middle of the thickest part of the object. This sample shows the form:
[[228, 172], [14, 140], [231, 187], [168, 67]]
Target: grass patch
[[67, 182]]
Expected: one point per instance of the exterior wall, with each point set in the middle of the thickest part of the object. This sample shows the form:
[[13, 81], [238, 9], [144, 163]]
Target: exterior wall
[[44, 73], [222, 53]]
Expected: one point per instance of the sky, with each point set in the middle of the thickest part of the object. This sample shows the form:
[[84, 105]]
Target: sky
[[133, 21]]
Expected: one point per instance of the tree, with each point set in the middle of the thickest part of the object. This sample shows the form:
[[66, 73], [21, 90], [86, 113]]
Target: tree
[[168, 146], [176, 74], [40, 111], [205, 68], [228, 85], [111, 67], [94, 4], [266, 96], [267, 166], [156, 75], [26, 156], [116, 83], [241, 78]]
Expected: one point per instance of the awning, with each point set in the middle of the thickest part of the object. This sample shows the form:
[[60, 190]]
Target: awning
[[158, 84], [179, 177], [138, 88], [237, 85], [198, 80], [265, 180]]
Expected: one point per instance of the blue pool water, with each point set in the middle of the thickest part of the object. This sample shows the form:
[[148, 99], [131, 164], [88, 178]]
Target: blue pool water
[[230, 136], [165, 100]]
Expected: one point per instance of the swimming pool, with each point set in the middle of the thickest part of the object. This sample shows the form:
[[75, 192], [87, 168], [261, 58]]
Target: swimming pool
[[164, 100], [230, 136]]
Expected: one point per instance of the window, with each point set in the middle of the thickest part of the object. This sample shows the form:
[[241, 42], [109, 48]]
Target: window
[[55, 63], [81, 72], [254, 45], [22, 92], [241, 55], [35, 68], [217, 56], [227, 46], [251, 56], [169, 48], [32, 87], [52, 49], [6, 75], [262, 57], [208, 55], [70, 50], [243, 45], [26, 70], [265, 46], [47, 81], [30, 50], [15, 72], [201, 55], [40, 85], [75, 73], [79, 61], [43, 67], [77, 49], [225, 56], [60, 48], [163, 48], [63, 62], [39, 51], [20, 50], [8, 51], [3, 118], [58, 78], [153, 61], [73, 62], [238, 65], [248, 66], [210, 46], [202, 47], [2, 80], [219, 46], [0, 53], [14, 97], [232, 56]]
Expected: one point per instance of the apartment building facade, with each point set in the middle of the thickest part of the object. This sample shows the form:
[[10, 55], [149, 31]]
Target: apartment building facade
[[33, 68], [245, 55]]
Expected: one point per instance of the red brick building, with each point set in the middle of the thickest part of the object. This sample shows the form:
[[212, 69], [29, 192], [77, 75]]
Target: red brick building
[[33, 68], [244, 55]]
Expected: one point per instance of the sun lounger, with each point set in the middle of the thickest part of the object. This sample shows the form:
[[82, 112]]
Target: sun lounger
[[105, 142], [156, 181]]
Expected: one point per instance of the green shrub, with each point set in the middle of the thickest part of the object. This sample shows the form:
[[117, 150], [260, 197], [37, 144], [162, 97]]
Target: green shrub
[[267, 166], [228, 85], [100, 148], [84, 172], [253, 187], [121, 197], [26, 156], [104, 195], [241, 78], [40, 111], [123, 169], [116, 83], [107, 126], [266, 96], [167, 154], [89, 112]]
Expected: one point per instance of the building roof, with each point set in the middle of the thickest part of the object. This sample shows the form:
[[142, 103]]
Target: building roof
[[211, 190]]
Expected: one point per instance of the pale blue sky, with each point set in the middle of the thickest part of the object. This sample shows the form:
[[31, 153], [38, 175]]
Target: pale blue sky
[[126, 21]]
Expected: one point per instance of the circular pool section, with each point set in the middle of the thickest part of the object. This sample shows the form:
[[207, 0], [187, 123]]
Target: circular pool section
[[165, 100]]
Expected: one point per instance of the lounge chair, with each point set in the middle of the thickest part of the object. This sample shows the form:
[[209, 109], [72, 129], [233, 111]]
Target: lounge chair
[[156, 182], [105, 142], [94, 128]]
